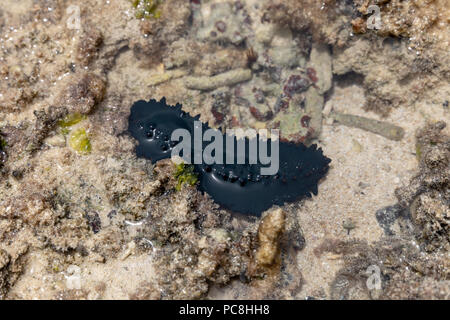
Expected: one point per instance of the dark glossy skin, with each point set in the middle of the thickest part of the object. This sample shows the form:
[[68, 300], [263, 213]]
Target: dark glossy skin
[[237, 187]]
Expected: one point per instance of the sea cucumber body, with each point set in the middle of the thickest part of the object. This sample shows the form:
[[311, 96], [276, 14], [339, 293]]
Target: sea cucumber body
[[237, 187]]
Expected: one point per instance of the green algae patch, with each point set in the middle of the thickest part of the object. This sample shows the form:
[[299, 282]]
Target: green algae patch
[[147, 8], [184, 173], [79, 141], [77, 138], [69, 121], [418, 151], [2, 144]]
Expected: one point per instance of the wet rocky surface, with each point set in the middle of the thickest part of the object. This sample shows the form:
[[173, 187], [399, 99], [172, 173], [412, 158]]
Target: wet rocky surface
[[77, 205]]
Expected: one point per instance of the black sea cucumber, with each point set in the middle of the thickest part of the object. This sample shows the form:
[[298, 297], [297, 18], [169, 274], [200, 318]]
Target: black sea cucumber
[[237, 187]]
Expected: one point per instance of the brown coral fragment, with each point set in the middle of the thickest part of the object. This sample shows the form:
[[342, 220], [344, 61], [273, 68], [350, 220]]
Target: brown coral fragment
[[269, 232]]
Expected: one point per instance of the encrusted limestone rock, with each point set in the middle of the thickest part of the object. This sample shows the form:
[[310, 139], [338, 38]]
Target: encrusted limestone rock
[[428, 194], [270, 229], [83, 93]]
